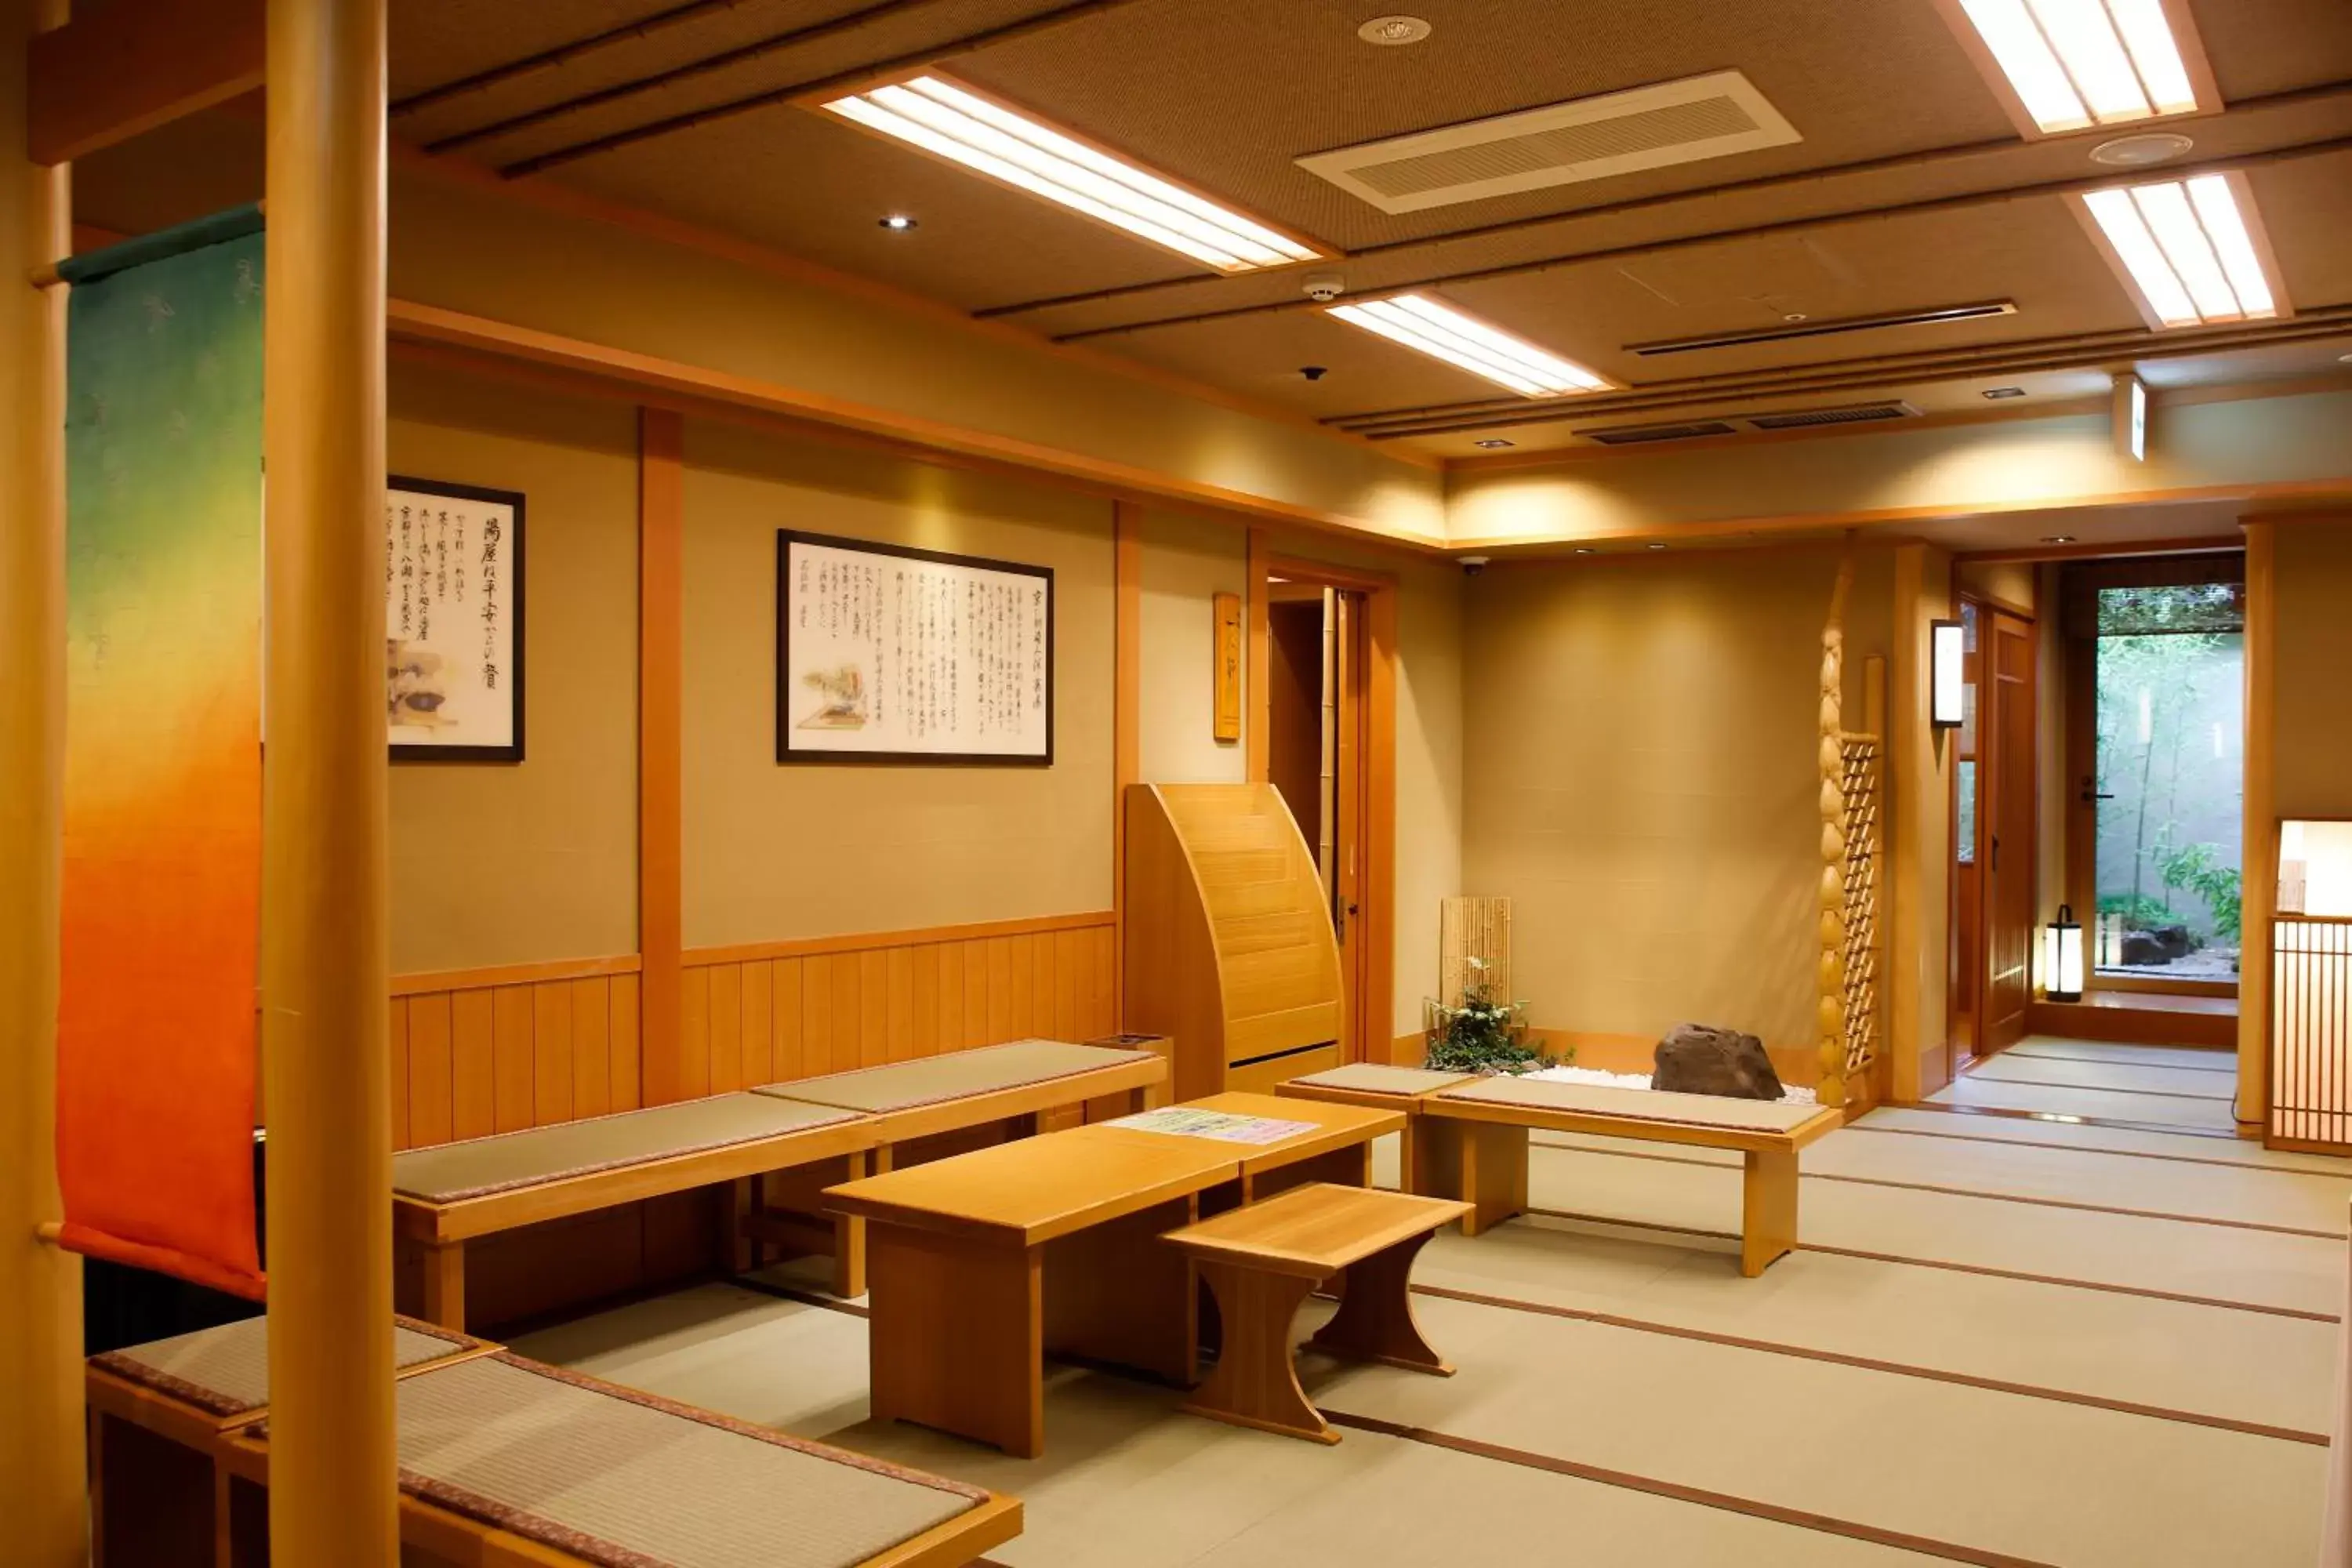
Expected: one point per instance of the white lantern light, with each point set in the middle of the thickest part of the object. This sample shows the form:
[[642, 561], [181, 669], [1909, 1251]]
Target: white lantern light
[[1947, 668], [2061, 957]]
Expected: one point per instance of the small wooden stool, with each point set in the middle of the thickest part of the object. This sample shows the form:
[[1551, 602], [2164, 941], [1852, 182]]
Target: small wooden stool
[[1262, 1262]]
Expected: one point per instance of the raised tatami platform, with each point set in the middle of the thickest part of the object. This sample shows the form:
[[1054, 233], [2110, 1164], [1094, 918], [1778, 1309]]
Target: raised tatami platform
[[2129, 1336]]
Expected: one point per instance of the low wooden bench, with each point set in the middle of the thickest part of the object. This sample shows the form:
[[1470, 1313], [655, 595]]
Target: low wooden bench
[[929, 1108], [1379, 1087], [1263, 1260], [444, 1195], [507, 1463], [1476, 1135]]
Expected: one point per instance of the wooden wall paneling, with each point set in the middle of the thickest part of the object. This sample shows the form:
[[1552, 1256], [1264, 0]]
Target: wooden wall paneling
[[947, 1026], [759, 1023], [661, 587], [688, 1077], [726, 1026], [784, 982], [473, 1097], [873, 1008], [398, 1040], [627, 1085], [551, 1053], [511, 1028], [902, 1002], [431, 1098], [848, 1020], [816, 1015], [591, 1046]]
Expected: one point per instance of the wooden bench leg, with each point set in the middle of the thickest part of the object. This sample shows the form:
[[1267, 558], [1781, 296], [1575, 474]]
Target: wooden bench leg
[[849, 1231], [1255, 1383], [1375, 1320], [1484, 1163], [1768, 1221], [737, 1205], [956, 1336], [445, 1284]]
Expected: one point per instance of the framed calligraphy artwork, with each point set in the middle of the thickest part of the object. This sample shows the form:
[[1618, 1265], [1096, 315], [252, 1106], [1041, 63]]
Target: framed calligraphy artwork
[[887, 654], [453, 627]]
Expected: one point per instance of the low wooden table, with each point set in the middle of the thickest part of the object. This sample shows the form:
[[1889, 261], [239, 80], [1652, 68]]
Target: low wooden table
[[1379, 1087], [978, 1263], [1263, 1260], [1478, 1145]]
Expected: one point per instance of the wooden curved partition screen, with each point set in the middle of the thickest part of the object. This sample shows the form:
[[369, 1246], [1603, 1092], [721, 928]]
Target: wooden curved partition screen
[[1228, 947]]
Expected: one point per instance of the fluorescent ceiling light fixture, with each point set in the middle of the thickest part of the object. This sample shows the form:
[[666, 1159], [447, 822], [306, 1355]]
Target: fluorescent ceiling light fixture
[[2188, 247], [2075, 64], [942, 118], [1441, 331]]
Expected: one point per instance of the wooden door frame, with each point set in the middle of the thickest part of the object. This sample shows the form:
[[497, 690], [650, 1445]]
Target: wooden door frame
[[2082, 676], [1375, 1008], [1989, 761]]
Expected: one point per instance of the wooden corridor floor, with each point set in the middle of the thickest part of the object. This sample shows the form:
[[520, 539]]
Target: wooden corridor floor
[[2005, 1342]]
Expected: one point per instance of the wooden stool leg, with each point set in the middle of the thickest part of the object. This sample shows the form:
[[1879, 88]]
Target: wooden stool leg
[[849, 1231], [1768, 1227], [1375, 1320], [1254, 1383], [445, 1284]]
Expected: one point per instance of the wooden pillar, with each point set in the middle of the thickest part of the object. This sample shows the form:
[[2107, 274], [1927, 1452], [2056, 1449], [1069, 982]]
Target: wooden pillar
[[2258, 851], [41, 1462], [325, 969], [1918, 839], [1829, 740], [1127, 722], [661, 594], [1258, 714]]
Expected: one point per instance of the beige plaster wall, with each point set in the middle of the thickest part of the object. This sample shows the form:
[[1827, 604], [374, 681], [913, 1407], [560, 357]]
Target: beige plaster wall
[[512, 863], [1187, 559], [2314, 735], [775, 851], [1641, 780]]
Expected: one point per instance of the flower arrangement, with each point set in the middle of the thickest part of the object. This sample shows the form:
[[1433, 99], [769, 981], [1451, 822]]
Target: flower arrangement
[[1482, 1036]]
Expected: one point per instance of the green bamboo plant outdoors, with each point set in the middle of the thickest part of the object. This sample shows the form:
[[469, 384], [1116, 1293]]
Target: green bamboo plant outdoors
[[1482, 1035]]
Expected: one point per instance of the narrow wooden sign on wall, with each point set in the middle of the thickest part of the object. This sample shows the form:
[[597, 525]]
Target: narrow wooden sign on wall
[[1227, 723]]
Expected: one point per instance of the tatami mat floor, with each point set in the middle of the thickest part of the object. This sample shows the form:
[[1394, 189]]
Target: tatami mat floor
[[2005, 1342]]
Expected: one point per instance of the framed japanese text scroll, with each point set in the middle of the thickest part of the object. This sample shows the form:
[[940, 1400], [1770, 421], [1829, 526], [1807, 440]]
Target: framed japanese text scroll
[[886, 654], [453, 601]]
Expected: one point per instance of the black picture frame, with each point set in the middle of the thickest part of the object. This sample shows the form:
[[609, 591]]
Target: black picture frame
[[519, 598], [785, 539]]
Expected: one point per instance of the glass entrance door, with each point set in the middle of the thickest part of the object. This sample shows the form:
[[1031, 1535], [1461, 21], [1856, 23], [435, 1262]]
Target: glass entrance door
[[2169, 781]]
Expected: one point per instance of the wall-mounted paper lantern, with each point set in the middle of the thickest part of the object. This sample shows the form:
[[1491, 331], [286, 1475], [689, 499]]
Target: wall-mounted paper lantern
[[2061, 957], [1948, 664]]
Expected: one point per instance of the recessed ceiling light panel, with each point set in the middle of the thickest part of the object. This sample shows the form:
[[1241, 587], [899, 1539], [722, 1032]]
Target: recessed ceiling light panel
[[2073, 64], [1441, 331], [951, 122], [2189, 250]]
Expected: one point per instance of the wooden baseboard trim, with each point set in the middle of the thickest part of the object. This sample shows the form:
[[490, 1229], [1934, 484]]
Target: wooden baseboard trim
[[1872, 1364], [1986, 1271], [1951, 1191], [870, 942], [513, 975], [1675, 1492]]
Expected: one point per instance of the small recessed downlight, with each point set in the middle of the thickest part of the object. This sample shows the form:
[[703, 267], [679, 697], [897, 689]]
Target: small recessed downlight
[[2140, 152], [2057, 538], [1658, 545], [898, 223], [1392, 31], [2004, 392], [1494, 443]]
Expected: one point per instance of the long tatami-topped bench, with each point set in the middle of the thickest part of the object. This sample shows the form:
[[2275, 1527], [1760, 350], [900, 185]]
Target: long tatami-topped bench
[[446, 1194], [1378, 1085], [505, 1462], [1475, 1138], [925, 1109]]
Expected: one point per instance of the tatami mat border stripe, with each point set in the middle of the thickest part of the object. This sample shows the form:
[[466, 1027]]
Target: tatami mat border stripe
[[2018, 1053], [1675, 1492], [2088, 1149], [1870, 1364], [2097, 1088], [1965, 1192], [2058, 1118], [1986, 1269]]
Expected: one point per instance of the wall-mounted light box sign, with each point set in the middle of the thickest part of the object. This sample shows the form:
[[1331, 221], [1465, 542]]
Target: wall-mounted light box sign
[[1947, 666], [2131, 417], [2316, 869]]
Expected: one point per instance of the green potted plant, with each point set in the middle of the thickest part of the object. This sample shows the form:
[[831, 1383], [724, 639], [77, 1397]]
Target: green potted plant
[[1482, 1035]]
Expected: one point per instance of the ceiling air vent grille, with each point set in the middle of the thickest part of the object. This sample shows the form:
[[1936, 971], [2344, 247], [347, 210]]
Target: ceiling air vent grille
[[1632, 435], [1588, 139], [1853, 413]]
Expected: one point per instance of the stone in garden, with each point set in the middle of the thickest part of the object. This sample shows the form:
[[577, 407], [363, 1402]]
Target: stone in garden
[[1694, 1058]]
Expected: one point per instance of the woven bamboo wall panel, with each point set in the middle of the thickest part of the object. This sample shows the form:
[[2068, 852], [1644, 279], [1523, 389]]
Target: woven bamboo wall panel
[[1468, 928]]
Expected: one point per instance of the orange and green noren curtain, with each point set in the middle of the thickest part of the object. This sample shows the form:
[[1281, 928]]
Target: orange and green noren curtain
[[162, 789]]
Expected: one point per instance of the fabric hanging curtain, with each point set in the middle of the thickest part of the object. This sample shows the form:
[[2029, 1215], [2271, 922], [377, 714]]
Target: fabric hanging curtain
[[163, 789]]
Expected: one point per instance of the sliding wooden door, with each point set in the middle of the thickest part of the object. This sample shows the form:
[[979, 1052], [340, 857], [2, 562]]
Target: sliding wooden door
[[2006, 725]]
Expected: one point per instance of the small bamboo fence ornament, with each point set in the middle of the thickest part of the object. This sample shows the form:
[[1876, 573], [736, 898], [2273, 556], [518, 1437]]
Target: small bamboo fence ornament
[[1847, 1009], [1468, 928]]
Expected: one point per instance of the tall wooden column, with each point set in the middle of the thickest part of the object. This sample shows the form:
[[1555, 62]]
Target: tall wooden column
[[2258, 852], [325, 965], [41, 1466]]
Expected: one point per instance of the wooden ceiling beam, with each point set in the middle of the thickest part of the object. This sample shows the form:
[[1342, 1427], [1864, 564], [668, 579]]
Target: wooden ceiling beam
[[136, 64]]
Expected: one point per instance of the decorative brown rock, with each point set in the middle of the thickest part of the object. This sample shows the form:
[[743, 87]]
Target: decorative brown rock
[[1694, 1058]]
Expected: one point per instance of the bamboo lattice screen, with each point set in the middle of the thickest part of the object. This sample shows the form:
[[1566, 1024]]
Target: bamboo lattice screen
[[1468, 928]]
